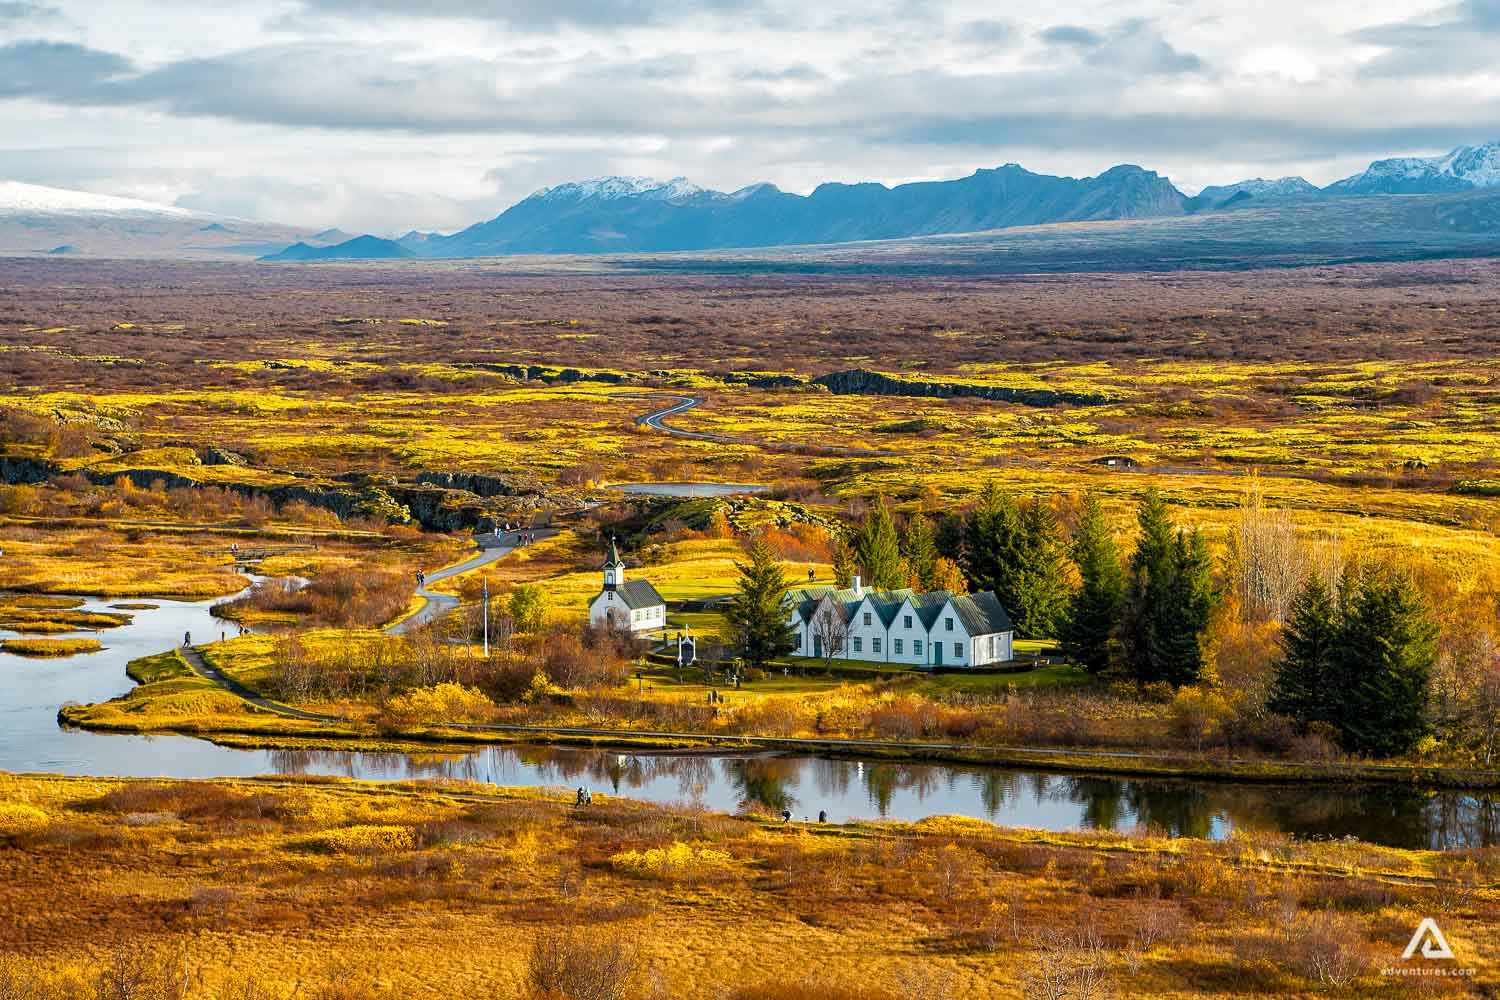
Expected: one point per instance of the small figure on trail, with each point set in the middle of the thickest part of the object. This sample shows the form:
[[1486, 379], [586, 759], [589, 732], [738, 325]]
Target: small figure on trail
[[223, 635], [580, 796], [588, 797], [187, 638], [811, 575], [822, 815], [786, 815]]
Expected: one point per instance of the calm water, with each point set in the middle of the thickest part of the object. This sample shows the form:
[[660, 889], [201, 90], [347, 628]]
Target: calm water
[[30, 740], [690, 489]]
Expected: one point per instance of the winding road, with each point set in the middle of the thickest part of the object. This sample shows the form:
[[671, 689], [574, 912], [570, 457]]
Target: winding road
[[656, 420]]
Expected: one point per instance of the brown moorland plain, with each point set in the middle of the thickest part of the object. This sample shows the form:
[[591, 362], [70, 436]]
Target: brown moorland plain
[[333, 889]]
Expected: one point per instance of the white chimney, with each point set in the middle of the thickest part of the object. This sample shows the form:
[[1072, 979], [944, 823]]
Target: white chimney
[[859, 590]]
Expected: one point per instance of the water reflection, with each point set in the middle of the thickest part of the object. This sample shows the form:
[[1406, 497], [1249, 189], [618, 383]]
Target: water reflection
[[30, 740]]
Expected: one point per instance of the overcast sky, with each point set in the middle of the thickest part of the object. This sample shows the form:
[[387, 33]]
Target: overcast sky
[[361, 114]]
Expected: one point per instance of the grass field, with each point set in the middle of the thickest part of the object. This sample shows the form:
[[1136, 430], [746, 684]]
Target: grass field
[[335, 888]]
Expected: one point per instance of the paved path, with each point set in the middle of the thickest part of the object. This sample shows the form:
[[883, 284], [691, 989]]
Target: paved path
[[681, 404], [199, 665], [492, 549]]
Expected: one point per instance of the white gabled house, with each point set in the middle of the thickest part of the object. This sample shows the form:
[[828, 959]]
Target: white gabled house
[[633, 606], [936, 629]]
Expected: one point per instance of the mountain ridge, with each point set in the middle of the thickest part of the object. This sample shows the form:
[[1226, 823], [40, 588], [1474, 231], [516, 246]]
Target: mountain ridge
[[631, 214]]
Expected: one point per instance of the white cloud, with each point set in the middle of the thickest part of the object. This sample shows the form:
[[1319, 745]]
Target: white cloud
[[372, 117]]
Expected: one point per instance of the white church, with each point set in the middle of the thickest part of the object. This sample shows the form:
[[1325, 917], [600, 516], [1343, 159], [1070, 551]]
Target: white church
[[633, 606], [935, 629]]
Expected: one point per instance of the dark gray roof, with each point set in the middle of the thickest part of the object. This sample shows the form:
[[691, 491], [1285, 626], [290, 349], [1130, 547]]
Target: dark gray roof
[[637, 594], [982, 613]]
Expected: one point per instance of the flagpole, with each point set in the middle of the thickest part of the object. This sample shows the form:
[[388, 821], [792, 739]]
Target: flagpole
[[486, 618]]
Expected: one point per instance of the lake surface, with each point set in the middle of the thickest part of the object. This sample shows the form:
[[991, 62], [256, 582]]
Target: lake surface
[[690, 489], [30, 740]]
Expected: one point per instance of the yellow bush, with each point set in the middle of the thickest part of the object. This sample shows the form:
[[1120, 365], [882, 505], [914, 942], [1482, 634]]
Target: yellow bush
[[18, 818], [678, 861], [362, 839], [443, 703]]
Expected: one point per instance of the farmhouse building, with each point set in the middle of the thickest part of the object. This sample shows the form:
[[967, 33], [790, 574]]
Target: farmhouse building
[[935, 629], [632, 606]]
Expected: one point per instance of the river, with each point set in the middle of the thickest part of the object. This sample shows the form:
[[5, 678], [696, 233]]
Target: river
[[31, 741]]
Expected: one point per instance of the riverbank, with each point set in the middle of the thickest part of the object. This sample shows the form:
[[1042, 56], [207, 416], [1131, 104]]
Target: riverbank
[[450, 889], [177, 698]]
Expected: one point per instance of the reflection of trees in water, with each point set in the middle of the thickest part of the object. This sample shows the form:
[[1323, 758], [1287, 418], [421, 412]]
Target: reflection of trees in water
[[883, 781], [832, 778], [1391, 815], [763, 781]]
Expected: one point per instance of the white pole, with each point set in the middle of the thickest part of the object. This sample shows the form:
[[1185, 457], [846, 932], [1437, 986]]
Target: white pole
[[486, 618]]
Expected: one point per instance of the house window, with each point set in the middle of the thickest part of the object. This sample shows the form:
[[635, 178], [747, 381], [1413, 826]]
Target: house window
[[898, 647], [958, 650], [948, 624], [906, 621], [875, 644], [859, 644], [867, 617], [916, 646]]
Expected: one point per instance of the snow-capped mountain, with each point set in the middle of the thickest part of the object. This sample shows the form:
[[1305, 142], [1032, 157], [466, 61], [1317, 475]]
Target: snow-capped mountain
[[611, 188], [1464, 169], [34, 199], [35, 219], [1259, 187]]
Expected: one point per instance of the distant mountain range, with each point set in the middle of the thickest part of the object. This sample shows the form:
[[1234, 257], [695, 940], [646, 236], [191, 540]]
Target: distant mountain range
[[640, 215]]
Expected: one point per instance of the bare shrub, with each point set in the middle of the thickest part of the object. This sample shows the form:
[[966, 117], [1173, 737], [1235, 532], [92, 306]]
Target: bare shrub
[[1067, 966], [582, 965], [1329, 949]]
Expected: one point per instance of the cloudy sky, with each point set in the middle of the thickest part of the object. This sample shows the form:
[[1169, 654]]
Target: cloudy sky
[[383, 115]]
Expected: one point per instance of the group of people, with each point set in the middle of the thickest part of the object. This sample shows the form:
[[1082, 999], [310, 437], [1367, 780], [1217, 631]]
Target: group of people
[[522, 537], [585, 797], [715, 698], [421, 578], [786, 816]]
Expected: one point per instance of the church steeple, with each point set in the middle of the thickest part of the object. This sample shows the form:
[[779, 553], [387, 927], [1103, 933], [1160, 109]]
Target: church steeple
[[614, 567]]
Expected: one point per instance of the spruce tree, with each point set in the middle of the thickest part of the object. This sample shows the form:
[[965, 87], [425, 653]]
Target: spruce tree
[[757, 613], [1169, 599], [1381, 666], [1040, 575], [1088, 632], [1184, 616], [1148, 582], [992, 544], [878, 550], [1303, 687], [920, 552], [844, 565]]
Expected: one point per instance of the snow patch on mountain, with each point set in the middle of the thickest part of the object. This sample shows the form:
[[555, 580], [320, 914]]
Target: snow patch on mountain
[[34, 199], [611, 188], [1259, 187], [1462, 169]]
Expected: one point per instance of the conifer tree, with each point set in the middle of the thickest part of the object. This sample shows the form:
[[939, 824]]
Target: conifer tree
[[920, 552], [878, 549], [1039, 589], [1088, 634], [1169, 599], [1303, 687], [1381, 666], [844, 565], [757, 613], [992, 543]]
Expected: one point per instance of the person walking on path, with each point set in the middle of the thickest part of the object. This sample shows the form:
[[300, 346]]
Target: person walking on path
[[187, 639]]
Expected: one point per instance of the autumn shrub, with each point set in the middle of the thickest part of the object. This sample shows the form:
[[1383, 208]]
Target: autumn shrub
[[436, 705], [1329, 949], [19, 818], [679, 862], [572, 665], [570, 963], [363, 839]]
